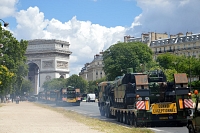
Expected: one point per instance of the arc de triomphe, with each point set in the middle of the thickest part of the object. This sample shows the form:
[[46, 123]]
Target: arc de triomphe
[[47, 59]]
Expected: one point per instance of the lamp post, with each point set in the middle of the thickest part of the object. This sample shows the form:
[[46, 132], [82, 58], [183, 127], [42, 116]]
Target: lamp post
[[5, 24], [189, 68]]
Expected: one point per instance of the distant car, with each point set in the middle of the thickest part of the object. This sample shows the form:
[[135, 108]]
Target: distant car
[[90, 98], [32, 99]]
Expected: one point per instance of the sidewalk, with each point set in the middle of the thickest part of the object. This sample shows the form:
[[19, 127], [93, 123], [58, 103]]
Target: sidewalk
[[26, 117]]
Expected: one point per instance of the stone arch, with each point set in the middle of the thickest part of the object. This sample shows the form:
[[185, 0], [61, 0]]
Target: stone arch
[[33, 76], [47, 59]]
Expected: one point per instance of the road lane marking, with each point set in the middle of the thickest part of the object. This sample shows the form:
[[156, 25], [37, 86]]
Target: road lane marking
[[158, 130]]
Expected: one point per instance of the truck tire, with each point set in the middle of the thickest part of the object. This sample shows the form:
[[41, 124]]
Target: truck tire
[[121, 117], [127, 119], [135, 123], [130, 119], [124, 118], [190, 128], [118, 116], [102, 112], [108, 115]]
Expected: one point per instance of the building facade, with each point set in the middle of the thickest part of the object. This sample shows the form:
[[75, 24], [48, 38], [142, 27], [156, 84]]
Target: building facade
[[179, 44], [187, 45], [94, 70]]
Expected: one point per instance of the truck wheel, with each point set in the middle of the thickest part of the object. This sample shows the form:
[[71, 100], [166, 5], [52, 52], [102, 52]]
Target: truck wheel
[[102, 112], [191, 128], [124, 118], [118, 116], [108, 112], [135, 122], [127, 119], [130, 119], [121, 117]]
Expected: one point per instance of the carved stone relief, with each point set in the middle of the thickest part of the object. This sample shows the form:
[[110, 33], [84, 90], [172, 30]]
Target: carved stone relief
[[47, 64], [48, 78], [62, 64]]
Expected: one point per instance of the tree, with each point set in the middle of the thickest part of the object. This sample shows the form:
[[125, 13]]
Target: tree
[[167, 60], [26, 87], [118, 57], [77, 82], [5, 78], [93, 85], [13, 59], [54, 84]]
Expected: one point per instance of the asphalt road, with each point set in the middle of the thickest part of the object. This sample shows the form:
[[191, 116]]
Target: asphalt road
[[91, 110]]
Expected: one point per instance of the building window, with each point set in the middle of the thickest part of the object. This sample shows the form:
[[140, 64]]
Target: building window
[[96, 73], [62, 45], [194, 45]]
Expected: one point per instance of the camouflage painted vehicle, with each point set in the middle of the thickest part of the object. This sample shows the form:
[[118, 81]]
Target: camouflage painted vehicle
[[126, 98], [194, 123], [145, 99], [170, 102]]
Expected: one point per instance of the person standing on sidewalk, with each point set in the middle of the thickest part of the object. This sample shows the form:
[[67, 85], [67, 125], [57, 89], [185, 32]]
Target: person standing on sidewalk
[[17, 99]]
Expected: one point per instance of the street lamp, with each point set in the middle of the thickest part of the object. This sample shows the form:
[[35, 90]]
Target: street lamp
[[189, 68], [5, 24]]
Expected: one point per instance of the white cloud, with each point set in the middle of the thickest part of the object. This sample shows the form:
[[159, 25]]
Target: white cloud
[[7, 8], [171, 16], [86, 39]]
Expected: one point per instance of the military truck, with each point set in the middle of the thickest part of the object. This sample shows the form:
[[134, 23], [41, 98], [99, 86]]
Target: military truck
[[61, 97], [126, 98], [194, 123], [51, 96], [73, 96], [170, 101]]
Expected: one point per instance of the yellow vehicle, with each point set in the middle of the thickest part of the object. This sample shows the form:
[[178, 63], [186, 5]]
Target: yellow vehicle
[[73, 96]]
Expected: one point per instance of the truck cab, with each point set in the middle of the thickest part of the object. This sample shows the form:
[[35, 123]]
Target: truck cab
[[194, 123]]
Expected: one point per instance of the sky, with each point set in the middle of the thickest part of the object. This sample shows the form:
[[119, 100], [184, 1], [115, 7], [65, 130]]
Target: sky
[[92, 26]]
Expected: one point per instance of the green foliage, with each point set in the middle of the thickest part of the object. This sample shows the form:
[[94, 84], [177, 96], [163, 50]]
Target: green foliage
[[166, 61], [26, 87], [117, 58], [93, 85], [54, 84], [170, 74], [14, 58], [77, 82], [5, 78]]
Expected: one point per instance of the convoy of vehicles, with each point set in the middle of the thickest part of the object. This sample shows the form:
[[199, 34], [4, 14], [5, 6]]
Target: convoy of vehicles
[[194, 123], [64, 96], [143, 99], [138, 99]]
